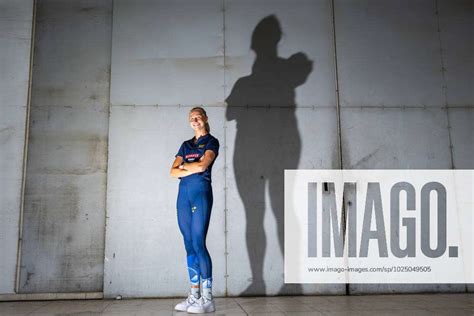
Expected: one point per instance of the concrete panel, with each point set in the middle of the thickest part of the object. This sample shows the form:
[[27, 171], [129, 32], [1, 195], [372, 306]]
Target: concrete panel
[[396, 139], [64, 216], [261, 144], [462, 135], [301, 63], [167, 52], [456, 27], [388, 53], [72, 53], [145, 253], [15, 44]]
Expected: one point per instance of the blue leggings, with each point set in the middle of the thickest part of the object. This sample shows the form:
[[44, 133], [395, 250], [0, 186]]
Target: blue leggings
[[194, 206]]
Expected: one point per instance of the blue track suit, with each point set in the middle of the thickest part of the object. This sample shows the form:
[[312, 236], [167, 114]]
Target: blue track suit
[[194, 206]]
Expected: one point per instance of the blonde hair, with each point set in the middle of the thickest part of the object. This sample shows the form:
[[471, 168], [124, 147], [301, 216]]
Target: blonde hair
[[203, 112]]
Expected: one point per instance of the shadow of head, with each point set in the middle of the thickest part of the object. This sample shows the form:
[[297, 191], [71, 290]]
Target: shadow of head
[[266, 35]]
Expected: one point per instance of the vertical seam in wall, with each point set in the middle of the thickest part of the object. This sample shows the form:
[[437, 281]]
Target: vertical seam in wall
[[336, 79], [338, 119], [226, 276], [108, 139], [25, 151], [445, 85], [445, 94]]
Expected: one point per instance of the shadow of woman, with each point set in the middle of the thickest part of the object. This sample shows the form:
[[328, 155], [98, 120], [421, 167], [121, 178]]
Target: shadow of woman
[[267, 141]]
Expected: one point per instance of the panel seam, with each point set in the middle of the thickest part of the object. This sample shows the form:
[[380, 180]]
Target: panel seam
[[25, 150], [445, 85], [108, 142], [339, 132], [226, 251]]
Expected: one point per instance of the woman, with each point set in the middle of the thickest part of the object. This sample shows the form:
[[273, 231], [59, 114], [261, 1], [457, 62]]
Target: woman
[[193, 166]]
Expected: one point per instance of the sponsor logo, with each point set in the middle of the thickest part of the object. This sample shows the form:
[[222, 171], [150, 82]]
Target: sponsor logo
[[191, 156]]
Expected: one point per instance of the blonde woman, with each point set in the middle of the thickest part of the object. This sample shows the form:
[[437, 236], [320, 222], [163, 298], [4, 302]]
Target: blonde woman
[[193, 165]]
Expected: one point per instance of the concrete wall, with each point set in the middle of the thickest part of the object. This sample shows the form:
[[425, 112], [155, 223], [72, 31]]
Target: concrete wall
[[393, 100], [15, 43], [64, 216], [164, 63], [404, 77]]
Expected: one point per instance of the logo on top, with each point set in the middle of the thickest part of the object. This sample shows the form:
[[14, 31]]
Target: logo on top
[[192, 156]]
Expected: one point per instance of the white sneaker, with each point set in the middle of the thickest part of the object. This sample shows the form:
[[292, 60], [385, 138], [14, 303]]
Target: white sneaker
[[202, 305], [183, 306]]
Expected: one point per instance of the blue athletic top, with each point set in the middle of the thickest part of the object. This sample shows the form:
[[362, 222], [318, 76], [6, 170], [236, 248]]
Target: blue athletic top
[[191, 151]]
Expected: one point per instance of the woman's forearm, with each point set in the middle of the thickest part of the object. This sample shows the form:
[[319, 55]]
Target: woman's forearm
[[194, 167], [178, 172], [186, 169]]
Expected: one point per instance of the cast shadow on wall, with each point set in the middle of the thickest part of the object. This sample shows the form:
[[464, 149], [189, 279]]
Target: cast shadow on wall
[[267, 140]]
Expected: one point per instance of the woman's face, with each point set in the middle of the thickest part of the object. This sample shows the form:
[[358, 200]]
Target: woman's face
[[197, 120]]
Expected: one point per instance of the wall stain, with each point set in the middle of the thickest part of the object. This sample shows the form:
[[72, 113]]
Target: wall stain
[[28, 277], [6, 134], [365, 159]]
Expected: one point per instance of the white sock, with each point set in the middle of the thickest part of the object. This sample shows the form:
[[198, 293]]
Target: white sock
[[207, 288], [195, 290]]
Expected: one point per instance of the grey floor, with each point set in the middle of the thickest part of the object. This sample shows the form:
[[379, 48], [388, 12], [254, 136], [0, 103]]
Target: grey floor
[[414, 304]]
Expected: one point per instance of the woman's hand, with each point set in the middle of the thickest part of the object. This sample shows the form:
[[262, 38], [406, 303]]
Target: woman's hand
[[178, 170]]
